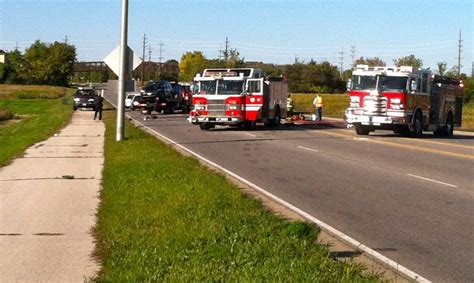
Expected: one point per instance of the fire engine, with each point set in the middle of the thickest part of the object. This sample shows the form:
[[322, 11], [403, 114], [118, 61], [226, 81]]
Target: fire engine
[[237, 97], [404, 99]]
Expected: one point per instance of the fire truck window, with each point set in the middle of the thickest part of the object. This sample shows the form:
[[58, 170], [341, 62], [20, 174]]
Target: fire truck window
[[424, 84], [254, 86], [230, 87], [418, 87], [208, 87], [364, 82], [389, 83]]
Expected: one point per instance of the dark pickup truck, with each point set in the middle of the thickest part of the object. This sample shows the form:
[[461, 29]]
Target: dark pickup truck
[[84, 98]]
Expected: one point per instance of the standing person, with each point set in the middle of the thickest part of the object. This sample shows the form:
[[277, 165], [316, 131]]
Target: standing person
[[289, 105], [98, 104], [318, 103]]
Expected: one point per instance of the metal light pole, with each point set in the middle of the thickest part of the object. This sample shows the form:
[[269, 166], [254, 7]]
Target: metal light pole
[[123, 72]]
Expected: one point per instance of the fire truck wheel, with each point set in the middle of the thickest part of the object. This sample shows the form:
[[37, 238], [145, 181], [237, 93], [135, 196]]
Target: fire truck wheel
[[362, 130], [248, 125], [449, 127], [205, 126], [417, 125]]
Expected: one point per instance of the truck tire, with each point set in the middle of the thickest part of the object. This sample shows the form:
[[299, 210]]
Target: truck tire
[[249, 125], [205, 126], [362, 130], [448, 128], [276, 120], [417, 125]]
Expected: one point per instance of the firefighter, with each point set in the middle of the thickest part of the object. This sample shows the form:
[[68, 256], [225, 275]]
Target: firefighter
[[318, 103], [289, 105]]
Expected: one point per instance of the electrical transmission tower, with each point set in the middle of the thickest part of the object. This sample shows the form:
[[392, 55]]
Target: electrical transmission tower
[[160, 58], [341, 62], [226, 50], [459, 53], [353, 50], [143, 58]]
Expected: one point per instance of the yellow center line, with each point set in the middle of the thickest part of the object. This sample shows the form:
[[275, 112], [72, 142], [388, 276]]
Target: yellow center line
[[440, 143], [412, 147]]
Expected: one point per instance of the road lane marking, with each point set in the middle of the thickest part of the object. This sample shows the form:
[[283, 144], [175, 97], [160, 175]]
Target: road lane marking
[[393, 264], [439, 143], [431, 180], [412, 147], [307, 148], [252, 135]]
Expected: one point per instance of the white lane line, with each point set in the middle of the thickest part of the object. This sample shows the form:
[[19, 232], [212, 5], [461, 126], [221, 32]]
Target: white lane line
[[252, 135], [434, 181], [307, 148], [393, 264]]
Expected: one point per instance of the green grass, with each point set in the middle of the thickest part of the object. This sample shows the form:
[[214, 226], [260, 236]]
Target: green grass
[[31, 92], [468, 117], [333, 104], [165, 217], [35, 120]]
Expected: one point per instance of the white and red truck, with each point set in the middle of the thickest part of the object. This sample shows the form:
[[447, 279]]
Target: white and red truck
[[237, 97], [404, 99]]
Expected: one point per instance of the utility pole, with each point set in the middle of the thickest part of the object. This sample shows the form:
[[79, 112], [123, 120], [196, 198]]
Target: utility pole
[[143, 58], [149, 62], [65, 39], [149, 52], [160, 58], [341, 58], [123, 72], [353, 50], [459, 53], [226, 50], [16, 46]]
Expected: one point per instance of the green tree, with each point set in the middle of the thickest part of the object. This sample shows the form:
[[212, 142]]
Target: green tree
[[60, 62], [48, 63], [410, 60], [372, 62], [191, 64], [13, 67], [442, 67], [170, 71]]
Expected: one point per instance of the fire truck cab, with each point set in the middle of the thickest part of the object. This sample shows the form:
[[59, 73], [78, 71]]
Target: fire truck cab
[[403, 99], [237, 97]]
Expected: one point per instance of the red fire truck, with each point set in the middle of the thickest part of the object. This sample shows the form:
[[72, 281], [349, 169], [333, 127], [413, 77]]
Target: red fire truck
[[237, 97], [404, 99]]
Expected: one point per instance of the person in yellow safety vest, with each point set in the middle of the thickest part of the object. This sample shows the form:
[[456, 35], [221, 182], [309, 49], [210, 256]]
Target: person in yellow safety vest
[[289, 106], [318, 103]]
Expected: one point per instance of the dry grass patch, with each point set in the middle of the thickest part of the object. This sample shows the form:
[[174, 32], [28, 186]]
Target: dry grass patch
[[31, 92]]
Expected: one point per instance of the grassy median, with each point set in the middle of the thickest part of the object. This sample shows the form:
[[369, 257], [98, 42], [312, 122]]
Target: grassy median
[[29, 114], [165, 217]]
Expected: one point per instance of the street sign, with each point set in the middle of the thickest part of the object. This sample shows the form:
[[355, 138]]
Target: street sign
[[112, 60]]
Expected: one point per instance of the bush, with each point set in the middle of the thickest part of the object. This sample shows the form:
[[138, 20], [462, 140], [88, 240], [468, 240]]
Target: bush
[[6, 114]]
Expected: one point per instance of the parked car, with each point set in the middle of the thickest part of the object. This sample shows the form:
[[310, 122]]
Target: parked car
[[84, 98], [129, 99]]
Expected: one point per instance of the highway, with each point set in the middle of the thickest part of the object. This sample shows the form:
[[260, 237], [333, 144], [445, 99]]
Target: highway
[[412, 200]]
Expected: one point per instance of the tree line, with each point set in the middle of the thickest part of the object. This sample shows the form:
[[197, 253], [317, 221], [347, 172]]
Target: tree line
[[41, 63], [53, 64]]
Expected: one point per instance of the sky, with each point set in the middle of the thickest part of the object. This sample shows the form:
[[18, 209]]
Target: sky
[[270, 31]]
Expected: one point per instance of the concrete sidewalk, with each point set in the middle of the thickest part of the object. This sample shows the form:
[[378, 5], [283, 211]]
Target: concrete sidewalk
[[48, 201]]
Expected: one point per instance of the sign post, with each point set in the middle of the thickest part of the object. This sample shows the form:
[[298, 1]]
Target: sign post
[[123, 72]]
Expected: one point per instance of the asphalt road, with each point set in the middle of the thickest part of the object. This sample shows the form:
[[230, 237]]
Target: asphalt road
[[412, 200]]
